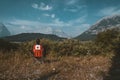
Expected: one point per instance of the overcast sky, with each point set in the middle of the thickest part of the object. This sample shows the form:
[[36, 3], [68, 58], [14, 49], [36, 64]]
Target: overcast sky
[[44, 16]]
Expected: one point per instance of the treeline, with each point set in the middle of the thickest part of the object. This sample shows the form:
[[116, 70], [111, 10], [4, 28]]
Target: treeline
[[7, 46]]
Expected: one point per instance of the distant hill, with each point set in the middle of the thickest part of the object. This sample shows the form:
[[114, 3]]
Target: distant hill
[[31, 36], [102, 25], [4, 31]]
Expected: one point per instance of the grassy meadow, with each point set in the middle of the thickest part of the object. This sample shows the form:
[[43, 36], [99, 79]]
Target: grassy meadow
[[68, 59]]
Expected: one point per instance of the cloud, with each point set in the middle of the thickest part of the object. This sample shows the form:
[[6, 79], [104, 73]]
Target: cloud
[[72, 27], [78, 25], [46, 15], [76, 8], [20, 26], [109, 11], [16, 29], [35, 5], [80, 29], [71, 2], [23, 27], [49, 15], [53, 16], [57, 22], [79, 20], [24, 22], [42, 6]]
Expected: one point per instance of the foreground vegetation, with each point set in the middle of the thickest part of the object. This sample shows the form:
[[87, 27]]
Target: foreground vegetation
[[64, 60], [19, 66]]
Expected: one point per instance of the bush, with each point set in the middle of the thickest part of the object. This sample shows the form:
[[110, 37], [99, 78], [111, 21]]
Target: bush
[[116, 44], [67, 47], [106, 40]]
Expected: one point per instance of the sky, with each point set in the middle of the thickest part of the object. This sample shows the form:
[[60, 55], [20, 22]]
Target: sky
[[46, 16]]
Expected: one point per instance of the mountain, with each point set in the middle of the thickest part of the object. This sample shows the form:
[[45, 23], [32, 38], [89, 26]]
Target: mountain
[[31, 36], [4, 31], [100, 26], [60, 33]]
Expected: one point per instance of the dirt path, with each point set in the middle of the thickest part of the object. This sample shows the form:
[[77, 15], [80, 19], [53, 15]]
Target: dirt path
[[114, 72]]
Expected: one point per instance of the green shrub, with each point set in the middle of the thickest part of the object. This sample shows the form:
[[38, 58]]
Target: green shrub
[[107, 40], [67, 47]]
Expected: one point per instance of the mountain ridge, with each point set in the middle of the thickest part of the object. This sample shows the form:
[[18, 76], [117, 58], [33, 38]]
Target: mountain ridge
[[101, 25], [22, 37], [4, 31]]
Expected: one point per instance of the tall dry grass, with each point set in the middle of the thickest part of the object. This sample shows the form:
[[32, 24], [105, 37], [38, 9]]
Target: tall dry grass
[[15, 65]]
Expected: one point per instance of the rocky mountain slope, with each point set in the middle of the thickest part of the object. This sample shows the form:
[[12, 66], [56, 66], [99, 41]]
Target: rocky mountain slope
[[100, 26]]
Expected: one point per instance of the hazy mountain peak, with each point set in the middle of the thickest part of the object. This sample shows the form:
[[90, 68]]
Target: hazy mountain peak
[[3, 30], [60, 33]]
